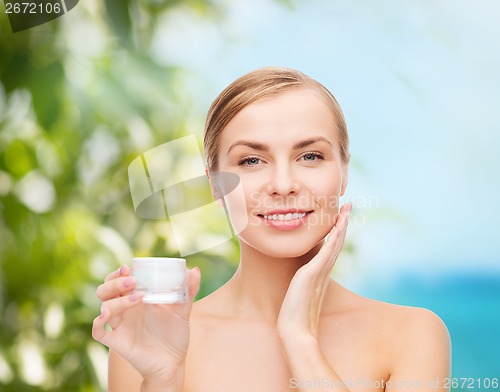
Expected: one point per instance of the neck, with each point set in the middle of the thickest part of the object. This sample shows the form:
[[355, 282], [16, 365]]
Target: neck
[[260, 283]]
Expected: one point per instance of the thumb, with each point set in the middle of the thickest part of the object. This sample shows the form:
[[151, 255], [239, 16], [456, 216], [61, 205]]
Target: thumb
[[194, 283], [194, 286]]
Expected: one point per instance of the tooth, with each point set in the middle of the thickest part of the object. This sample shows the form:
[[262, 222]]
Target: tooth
[[286, 217]]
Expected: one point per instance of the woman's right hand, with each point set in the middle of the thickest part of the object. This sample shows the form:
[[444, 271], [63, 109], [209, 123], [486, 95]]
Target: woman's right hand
[[153, 338]]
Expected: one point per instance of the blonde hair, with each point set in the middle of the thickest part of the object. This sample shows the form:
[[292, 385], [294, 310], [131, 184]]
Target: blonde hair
[[253, 86]]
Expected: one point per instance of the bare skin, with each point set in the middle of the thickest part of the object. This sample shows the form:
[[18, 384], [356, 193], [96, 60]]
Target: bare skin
[[280, 323], [235, 343], [362, 338]]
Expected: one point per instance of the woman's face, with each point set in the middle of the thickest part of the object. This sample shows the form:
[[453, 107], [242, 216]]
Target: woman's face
[[286, 153]]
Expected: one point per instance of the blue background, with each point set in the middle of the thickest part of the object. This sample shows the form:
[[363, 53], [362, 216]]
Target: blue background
[[419, 83]]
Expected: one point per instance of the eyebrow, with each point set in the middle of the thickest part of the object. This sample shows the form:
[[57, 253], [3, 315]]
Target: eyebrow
[[263, 147]]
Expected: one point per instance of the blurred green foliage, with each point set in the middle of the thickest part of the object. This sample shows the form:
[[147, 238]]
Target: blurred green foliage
[[80, 98]]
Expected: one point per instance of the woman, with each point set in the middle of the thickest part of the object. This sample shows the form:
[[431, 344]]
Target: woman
[[280, 323]]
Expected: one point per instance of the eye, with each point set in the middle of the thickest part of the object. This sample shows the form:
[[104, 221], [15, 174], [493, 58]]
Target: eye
[[249, 161], [312, 156]]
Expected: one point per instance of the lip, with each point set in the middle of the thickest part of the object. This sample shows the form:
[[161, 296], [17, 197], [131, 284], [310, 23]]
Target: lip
[[286, 225]]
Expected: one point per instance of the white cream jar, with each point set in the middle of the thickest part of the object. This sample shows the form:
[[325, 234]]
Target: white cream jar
[[163, 280]]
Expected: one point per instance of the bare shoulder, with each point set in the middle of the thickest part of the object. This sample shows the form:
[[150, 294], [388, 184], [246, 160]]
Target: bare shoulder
[[419, 348], [213, 306], [412, 341], [402, 319], [396, 319], [409, 325]]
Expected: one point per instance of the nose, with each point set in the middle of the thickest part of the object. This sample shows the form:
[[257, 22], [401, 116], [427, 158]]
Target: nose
[[282, 181]]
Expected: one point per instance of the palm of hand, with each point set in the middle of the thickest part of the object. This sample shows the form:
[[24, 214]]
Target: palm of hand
[[152, 336]]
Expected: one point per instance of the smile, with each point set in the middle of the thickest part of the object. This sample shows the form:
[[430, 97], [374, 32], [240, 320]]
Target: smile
[[285, 217], [286, 220]]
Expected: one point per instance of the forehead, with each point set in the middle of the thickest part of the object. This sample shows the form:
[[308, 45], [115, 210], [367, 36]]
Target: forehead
[[287, 116]]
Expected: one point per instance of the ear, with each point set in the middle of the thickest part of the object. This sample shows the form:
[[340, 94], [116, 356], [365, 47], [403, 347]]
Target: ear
[[216, 193]]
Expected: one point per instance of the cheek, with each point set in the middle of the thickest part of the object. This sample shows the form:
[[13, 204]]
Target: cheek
[[326, 196], [326, 190], [233, 192], [236, 205]]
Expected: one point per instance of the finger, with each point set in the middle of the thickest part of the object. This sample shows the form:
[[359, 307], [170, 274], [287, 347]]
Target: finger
[[124, 270], [341, 222], [116, 287], [328, 253], [336, 238], [342, 215], [194, 286], [99, 332], [117, 306]]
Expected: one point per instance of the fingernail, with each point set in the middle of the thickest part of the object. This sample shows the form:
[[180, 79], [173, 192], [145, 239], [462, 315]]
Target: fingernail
[[135, 296], [128, 282], [103, 313], [122, 270]]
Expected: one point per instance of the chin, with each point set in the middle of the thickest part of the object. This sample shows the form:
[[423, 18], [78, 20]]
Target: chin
[[285, 248], [285, 253]]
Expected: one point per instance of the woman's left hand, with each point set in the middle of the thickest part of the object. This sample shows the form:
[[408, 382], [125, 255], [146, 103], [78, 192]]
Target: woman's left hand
[[300, 311]]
